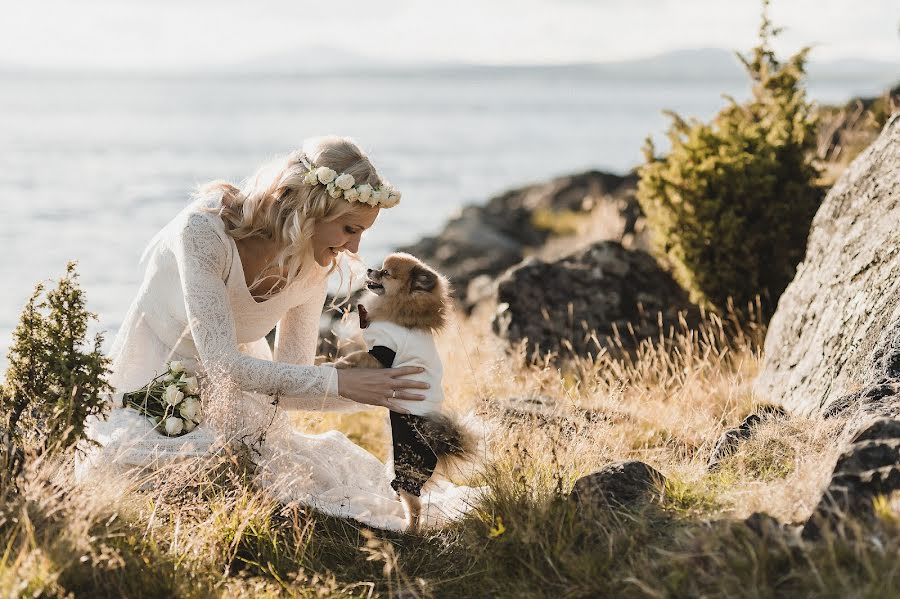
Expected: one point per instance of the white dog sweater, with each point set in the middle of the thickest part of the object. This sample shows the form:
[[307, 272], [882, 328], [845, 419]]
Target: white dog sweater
[[413, 347]]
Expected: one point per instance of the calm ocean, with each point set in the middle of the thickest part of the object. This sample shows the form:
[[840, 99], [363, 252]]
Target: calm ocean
[[92, 166]]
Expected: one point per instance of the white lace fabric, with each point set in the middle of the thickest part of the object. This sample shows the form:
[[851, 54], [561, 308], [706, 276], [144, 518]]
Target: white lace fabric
[[193, 305]]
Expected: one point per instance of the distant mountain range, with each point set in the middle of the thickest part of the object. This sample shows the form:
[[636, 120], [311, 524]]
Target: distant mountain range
[[689, 64]]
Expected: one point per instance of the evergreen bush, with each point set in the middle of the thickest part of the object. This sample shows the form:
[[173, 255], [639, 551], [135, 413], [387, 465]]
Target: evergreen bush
[[54, 379], [730, 205]]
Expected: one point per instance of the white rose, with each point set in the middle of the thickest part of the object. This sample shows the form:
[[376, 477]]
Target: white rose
[[190, 408], [345, 181], [365, 192], [176, 367], [394, 199], [311, 178], [189, 425], [191, 385], [378, 197], [173, 395], [351, 195], [169, 378], [174, 425], [325, 174], [334, 191]]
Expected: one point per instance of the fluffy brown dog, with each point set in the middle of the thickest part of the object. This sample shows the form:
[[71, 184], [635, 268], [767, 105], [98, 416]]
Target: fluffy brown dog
[[411, 303]]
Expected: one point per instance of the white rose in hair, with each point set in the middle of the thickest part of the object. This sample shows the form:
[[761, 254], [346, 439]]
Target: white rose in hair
[[189, 425], [174, 425], [334, 191], [345, 181], [325, 174], [176, 367], [190, 408], [365, 192], [378, 197], [173, 395], [191, 385], [311, 178], [351, 195]]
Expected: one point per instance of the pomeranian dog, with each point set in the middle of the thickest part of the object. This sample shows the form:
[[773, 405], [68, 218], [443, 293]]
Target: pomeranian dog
[[409, 304]]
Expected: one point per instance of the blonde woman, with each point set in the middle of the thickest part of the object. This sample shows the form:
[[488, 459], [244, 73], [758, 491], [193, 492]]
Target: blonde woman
[[235, 263]]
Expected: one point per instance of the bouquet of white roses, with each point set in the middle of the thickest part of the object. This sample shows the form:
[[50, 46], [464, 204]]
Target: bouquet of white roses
[[171, 401]]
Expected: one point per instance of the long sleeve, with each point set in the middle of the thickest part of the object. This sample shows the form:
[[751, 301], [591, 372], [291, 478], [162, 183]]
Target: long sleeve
[[297, 333], [202, 256]]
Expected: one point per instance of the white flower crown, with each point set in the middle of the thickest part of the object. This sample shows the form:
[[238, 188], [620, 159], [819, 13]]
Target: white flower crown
[[345, 185]]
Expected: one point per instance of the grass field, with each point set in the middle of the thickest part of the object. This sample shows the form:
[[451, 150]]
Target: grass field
[[206, 532]]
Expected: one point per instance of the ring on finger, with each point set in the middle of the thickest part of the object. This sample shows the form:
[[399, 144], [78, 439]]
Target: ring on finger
[[394, 394]]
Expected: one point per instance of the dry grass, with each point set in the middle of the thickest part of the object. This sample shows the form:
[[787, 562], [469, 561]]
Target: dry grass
[[207, 532]]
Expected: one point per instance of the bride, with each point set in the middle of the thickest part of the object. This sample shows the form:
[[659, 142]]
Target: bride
[[235, 263]]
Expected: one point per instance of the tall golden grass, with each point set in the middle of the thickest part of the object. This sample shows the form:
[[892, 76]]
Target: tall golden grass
[[206, 531]]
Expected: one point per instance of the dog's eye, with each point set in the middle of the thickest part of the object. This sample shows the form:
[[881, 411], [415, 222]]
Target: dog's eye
[[385, 273]]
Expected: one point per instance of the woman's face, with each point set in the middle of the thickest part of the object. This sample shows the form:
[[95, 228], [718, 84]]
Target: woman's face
[[342, 234]]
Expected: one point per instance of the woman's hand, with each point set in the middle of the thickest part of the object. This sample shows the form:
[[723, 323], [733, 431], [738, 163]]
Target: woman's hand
[[380, 386]]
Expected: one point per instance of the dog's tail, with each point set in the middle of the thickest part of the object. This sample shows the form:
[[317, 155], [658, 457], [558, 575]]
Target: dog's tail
[[458, 442]]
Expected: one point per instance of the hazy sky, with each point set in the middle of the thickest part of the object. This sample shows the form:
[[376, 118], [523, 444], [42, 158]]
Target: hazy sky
[[162, 34]]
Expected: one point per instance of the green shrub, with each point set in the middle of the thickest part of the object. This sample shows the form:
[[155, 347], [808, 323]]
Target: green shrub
[[54, 378], [731, 203]]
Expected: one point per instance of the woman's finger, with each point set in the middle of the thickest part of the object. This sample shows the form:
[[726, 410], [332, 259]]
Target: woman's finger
[[405, 371], [409, 396], [399, 384]]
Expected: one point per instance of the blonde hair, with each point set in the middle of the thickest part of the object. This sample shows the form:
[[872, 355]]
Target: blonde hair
[[277, 204]]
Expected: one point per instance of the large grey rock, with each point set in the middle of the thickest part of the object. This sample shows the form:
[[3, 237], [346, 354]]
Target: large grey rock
[[576, 305], [835, 337]]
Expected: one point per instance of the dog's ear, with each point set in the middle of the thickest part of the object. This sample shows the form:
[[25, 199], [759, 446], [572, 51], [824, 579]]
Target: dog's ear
[[422, 279]]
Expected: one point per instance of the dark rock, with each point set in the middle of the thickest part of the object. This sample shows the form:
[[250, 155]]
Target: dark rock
[[878, 399], [730, 440], [486, 240], [883, 428], [869, 467], [763, 524], [513, 212], [579, 305], [618, 484], [837, 326]]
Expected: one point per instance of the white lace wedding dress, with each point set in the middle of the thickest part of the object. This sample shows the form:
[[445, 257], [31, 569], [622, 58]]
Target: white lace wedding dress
[[194, 306]]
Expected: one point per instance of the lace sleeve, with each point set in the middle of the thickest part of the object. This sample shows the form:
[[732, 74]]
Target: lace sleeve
[[202, 257], [297, 334]]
